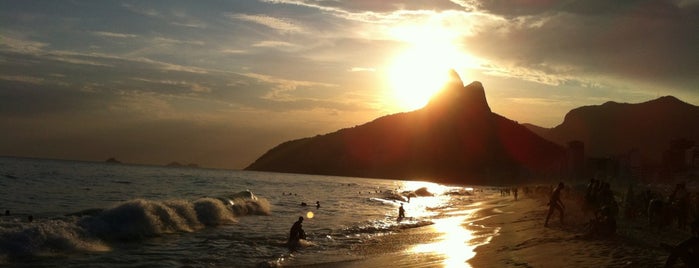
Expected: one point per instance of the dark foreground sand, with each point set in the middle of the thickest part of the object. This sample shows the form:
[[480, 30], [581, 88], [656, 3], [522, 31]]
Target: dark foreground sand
[[522, 241]]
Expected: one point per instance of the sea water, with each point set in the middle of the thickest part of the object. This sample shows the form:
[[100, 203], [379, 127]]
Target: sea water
[[88, 214]]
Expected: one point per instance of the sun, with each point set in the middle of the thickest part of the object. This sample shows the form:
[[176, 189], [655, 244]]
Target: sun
[[415, 77], [422, 69]]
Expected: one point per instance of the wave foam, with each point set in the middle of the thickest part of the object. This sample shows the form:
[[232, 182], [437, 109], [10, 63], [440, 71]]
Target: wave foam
[[127, 221], [46, 238]]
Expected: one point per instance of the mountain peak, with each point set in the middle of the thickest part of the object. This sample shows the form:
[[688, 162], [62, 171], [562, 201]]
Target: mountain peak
[[456, 97], [668, 100]]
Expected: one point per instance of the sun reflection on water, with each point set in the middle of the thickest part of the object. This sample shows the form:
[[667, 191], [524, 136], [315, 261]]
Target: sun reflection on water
[[453, 243]]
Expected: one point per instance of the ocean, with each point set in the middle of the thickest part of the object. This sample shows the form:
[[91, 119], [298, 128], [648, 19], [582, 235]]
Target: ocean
[[91, 214]]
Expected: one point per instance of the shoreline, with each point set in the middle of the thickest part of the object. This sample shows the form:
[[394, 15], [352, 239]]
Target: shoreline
[[521, 240]]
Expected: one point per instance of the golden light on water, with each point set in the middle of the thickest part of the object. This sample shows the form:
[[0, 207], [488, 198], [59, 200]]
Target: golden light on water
[[453, 244], [430, 186], [310, 215]]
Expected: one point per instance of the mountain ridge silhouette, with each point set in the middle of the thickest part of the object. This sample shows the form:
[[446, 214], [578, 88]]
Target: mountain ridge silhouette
[[614, 128], [455, 138]]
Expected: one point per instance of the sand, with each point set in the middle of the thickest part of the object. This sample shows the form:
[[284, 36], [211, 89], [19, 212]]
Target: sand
[[523, 241]]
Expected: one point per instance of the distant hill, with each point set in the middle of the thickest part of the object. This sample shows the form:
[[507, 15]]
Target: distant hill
[[455, 138], [615, 128]]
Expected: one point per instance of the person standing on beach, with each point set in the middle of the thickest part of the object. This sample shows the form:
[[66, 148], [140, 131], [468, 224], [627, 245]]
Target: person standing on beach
[[555, 203], [401, 212]]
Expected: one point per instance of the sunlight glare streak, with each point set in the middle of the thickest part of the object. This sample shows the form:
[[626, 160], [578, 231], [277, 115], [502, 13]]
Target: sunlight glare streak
[[453, 244], [432, 187]]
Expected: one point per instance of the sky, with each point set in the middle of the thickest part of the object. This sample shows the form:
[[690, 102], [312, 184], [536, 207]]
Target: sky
[[218, 83]]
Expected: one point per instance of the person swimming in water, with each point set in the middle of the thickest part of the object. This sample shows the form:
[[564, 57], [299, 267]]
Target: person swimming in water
[[296, 233]]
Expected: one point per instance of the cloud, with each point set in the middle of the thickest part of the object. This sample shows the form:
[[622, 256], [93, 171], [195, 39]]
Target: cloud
[[362, 69], [281, 25], [114, 35], [373, 5], [283, 87], [23, 79], [233, 51], [193, 87], [163, 40], [274, 44], [22, 46]]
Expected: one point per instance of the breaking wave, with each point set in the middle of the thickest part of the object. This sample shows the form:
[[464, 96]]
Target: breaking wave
[[94, 229]]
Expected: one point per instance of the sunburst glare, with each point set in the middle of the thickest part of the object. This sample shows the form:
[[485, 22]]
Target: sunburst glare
[[421, 70]]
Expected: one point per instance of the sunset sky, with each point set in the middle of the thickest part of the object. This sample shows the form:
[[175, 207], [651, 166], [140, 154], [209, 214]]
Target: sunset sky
[[218, 83]]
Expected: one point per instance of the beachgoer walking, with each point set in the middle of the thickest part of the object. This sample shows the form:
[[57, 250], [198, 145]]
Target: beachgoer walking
[[401, 212], [555, 203]]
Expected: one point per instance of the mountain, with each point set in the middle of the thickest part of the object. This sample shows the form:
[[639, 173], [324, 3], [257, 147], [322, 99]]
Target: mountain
[[455, 138], [615, 128]]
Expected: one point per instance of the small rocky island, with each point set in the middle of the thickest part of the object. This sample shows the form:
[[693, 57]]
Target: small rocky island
[[112, 160]]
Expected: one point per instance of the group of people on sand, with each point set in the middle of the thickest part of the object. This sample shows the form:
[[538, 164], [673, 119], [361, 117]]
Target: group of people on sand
[[509, 191], [599, 199]]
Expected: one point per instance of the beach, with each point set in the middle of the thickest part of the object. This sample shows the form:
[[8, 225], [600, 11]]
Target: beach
[[523, 241]]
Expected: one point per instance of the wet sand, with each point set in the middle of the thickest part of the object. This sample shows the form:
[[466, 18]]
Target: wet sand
[[522, 241]]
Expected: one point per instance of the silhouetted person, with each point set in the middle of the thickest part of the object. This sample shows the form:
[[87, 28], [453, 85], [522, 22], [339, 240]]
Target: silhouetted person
[[7, 212], [687, 251], [303, 204], [401, 212], [295, 234], [515, 191], [604, 223], [555, 203], [317, 204], [679, 200], [30, 218]]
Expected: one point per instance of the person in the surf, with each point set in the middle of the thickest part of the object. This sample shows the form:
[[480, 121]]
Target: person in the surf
[[555, 203], [295, 234], [401, 212]]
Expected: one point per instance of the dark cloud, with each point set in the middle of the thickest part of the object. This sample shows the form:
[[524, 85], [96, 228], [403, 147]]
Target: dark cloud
[[515, 8], [648, 41]]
